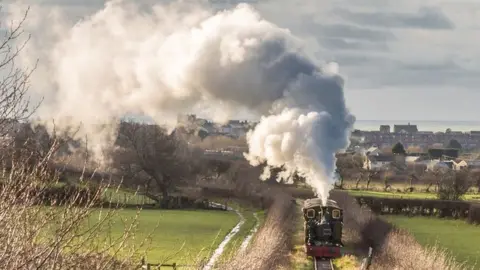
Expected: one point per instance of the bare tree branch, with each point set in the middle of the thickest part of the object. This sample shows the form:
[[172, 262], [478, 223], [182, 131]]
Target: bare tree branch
[[15, 104]]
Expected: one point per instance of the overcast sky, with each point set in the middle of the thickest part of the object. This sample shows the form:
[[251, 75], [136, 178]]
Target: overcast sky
[[408, 60]]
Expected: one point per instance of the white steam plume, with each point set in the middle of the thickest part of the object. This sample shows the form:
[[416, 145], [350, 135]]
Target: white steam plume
[[170, 59]]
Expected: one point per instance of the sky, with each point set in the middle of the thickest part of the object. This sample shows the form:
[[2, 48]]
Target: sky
[[402, 60]]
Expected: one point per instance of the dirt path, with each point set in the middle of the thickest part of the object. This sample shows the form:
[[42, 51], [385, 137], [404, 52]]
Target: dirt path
[[247, 240], [218, 252]]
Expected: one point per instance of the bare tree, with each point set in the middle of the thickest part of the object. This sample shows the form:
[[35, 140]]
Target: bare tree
[[211, 170], [150, 156], [370, 175], [434, 176], [453, 185], [14, 101], [411, 178], [475, 174], [387, 176], [347, 166], [357, 181]]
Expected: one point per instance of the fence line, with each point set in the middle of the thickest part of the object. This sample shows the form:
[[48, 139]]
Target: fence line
[[175, 266]]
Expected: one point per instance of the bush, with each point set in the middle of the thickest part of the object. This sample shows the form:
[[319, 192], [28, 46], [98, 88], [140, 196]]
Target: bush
[[52, 194], [453, 186], [416, 207], [474, 214], [67, 194]]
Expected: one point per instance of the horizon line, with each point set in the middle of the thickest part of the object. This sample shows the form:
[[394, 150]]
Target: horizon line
[[405, 120]]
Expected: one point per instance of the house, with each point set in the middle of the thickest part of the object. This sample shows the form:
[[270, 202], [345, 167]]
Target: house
[[411, 159], [436, 164], [208, 127], [447, 164], [441, 153], [405, 128], [460, 165], [238, 128], [225, 129], [377, 162], [415, 157], [385, 128], [422, 162], [373, 151]]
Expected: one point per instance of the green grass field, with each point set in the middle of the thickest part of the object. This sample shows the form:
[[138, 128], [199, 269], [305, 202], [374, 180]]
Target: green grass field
[[412, 195], [459, 238], [400, 195], [199, 232]]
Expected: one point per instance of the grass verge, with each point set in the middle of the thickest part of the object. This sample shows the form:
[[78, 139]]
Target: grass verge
[[455, 236]]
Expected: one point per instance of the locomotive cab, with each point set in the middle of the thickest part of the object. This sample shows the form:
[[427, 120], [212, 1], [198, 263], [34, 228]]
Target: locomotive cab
[[323, 228]]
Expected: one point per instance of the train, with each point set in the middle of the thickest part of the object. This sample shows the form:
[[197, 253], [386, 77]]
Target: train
[[323, 229]]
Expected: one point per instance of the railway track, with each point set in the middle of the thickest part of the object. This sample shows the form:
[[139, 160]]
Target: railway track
[[320, 264]]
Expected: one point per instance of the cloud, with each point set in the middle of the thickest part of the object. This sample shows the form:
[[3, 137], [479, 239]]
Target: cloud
[[445, 66], [425, 18], [346, 44], [167, 59], [354, 32]]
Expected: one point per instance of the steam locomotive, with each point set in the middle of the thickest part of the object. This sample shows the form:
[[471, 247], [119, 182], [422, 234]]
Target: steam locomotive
[[323, 228]]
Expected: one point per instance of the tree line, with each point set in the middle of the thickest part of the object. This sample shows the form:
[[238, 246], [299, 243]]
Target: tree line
[[448, 184]]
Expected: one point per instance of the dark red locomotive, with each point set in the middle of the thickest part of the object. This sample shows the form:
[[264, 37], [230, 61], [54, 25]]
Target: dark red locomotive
[[323, 228]]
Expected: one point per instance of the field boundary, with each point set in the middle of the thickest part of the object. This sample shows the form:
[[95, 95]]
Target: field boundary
[[422, 207]]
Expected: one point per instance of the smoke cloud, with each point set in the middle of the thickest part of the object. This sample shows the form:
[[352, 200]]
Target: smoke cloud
[[162, 60]]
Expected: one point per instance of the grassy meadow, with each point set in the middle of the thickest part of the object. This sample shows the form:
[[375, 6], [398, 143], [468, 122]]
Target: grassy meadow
[[160, 236], [457, 237], [180, 236]]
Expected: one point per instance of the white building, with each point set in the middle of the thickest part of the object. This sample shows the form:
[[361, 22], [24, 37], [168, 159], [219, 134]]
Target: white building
[[377, 162]]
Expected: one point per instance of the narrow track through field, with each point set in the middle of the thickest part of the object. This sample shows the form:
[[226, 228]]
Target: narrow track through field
[[320, 264]]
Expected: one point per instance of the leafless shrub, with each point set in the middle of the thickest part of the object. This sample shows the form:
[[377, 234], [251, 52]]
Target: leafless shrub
[[58, 236], [453, 185], [474, 214], [401, 251], [70, 233]]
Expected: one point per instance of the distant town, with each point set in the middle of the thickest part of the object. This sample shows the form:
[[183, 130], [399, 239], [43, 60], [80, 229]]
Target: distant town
[[410, 136], [449, 149], [385, 137], [203, 127]]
